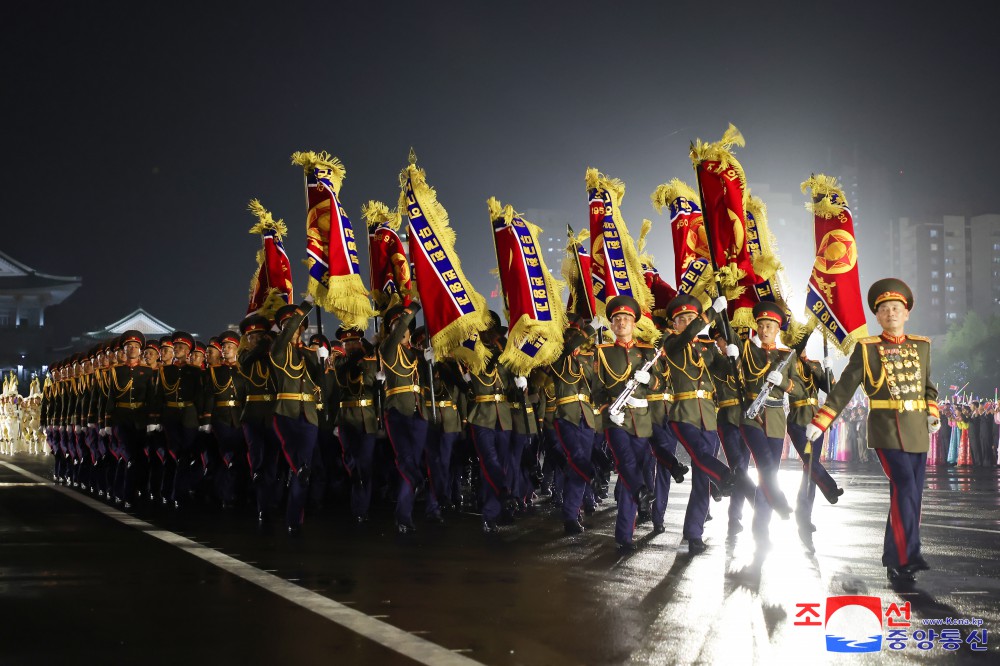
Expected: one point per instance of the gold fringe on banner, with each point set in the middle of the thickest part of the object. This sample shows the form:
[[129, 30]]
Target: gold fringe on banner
[[797, 331], [721, 151], [766, 264], [345, 296], [822, 187], [526, 328], [661, 198], [615, 187], [266, 222], [375, 213], [467, 327]]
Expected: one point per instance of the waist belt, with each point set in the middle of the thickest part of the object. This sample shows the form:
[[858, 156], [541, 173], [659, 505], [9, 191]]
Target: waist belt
[[180, 405], [656, 397], [900, 405], [692, 395], [579, 397], [412, 388], [227, 403], [803, 403], [637, 402], [496, 397], [732, 402], [440, 403], [129, 405], [260, 397], [357, 403], [301, 397], [514, 405], [550, 410]]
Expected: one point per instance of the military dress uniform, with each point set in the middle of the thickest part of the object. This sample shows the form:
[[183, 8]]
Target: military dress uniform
[[573, 423], [446, 414], [179, 391], [490, 423], [255, 389], [810, 378], [405, 420], [895, 374], [357, 420], [221, 410], [663, 442], [693, 415], [296, 373], [130, 408]]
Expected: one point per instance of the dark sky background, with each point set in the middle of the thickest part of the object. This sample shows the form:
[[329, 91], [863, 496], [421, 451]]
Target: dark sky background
[[135, 133]]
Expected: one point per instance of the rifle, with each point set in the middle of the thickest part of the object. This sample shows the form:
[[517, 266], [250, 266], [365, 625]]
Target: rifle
[[618, 406], [379, 386], [754, 409]]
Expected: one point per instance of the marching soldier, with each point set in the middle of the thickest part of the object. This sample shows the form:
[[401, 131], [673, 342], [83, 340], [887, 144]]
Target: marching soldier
[[297, 374], [220, 416], [446, 415], [405, 421], [129, 409], [894, 368], [255, 389], [357, 419], [627, 431], [179, 396], [693, 416]]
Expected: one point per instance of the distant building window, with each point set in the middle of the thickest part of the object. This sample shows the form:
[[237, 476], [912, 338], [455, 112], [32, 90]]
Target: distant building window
[[5, 319], [951, 287], [934, 288], [996, 260], [949, 274], [935, 301], [934, 247], [934, 274], [934, 233], [996, 246], [952, 315]]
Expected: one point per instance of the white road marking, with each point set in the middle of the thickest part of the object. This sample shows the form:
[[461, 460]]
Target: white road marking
[[958, 527], [386, 635]]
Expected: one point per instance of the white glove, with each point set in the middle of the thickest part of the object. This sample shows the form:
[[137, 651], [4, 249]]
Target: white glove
[[106, 431], [618, 418], [380, 376], [720, 304], [91, 425], [205, 428], [308, 298], [641, 376], [813, 433], [336, 431], [933, 424], [77, 428], [775, 378], [521, 382], [467, 377], [429, 354], [151, 428], [322, 353], [732, 351], [827, 363]]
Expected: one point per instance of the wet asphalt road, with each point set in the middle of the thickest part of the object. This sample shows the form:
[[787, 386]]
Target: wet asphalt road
[[77, 586]]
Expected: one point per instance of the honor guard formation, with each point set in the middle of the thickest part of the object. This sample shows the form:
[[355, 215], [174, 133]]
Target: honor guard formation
[[462, 412]]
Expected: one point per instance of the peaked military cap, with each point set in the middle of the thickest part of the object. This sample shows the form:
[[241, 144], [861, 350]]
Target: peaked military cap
[[683, 303], [889, 289], [626, 304], [768, 310]]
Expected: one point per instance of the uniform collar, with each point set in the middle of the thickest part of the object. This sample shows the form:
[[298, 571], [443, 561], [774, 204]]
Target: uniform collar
[[626, 345], [768, 346], [131, 364], [900, 339]]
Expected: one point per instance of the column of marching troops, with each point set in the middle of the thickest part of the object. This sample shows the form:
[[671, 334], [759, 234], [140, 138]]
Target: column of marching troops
[[264, 414]]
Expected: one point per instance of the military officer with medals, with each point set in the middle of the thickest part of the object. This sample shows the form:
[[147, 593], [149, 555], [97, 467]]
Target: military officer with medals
[[894, 369]]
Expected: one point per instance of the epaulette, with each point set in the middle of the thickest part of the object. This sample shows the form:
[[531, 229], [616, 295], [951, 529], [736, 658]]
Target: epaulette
[[605, 345], [921, 338], [871, 339], [586, 353], [643, 345], [371, 358]]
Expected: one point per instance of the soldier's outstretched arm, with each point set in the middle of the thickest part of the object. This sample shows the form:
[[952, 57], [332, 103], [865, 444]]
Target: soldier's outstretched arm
[[842, 393]]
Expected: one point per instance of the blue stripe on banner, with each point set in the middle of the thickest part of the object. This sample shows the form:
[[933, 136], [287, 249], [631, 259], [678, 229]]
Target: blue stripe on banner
[[421, 230], [533, 269], [615, 268], [691, 275], [530, 347], [753, 237], [817, 306]]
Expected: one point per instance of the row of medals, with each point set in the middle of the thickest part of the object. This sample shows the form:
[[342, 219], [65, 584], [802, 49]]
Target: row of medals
[[897, 359]]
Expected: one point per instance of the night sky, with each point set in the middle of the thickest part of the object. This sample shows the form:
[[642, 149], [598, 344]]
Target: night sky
[[134, 134]]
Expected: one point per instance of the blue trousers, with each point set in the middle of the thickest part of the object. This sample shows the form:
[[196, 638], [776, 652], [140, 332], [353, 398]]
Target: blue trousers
[[440, 446], [905, 472], [263, 447], [183, 452], [298, 442], [701, 445], [232, 454], [130, 440], [820, 477], [663, 441], [493, 449], [630, 453], [576, 440], [515, 478], [408, 436], [358, 449], [766, 452], [738, 457]]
